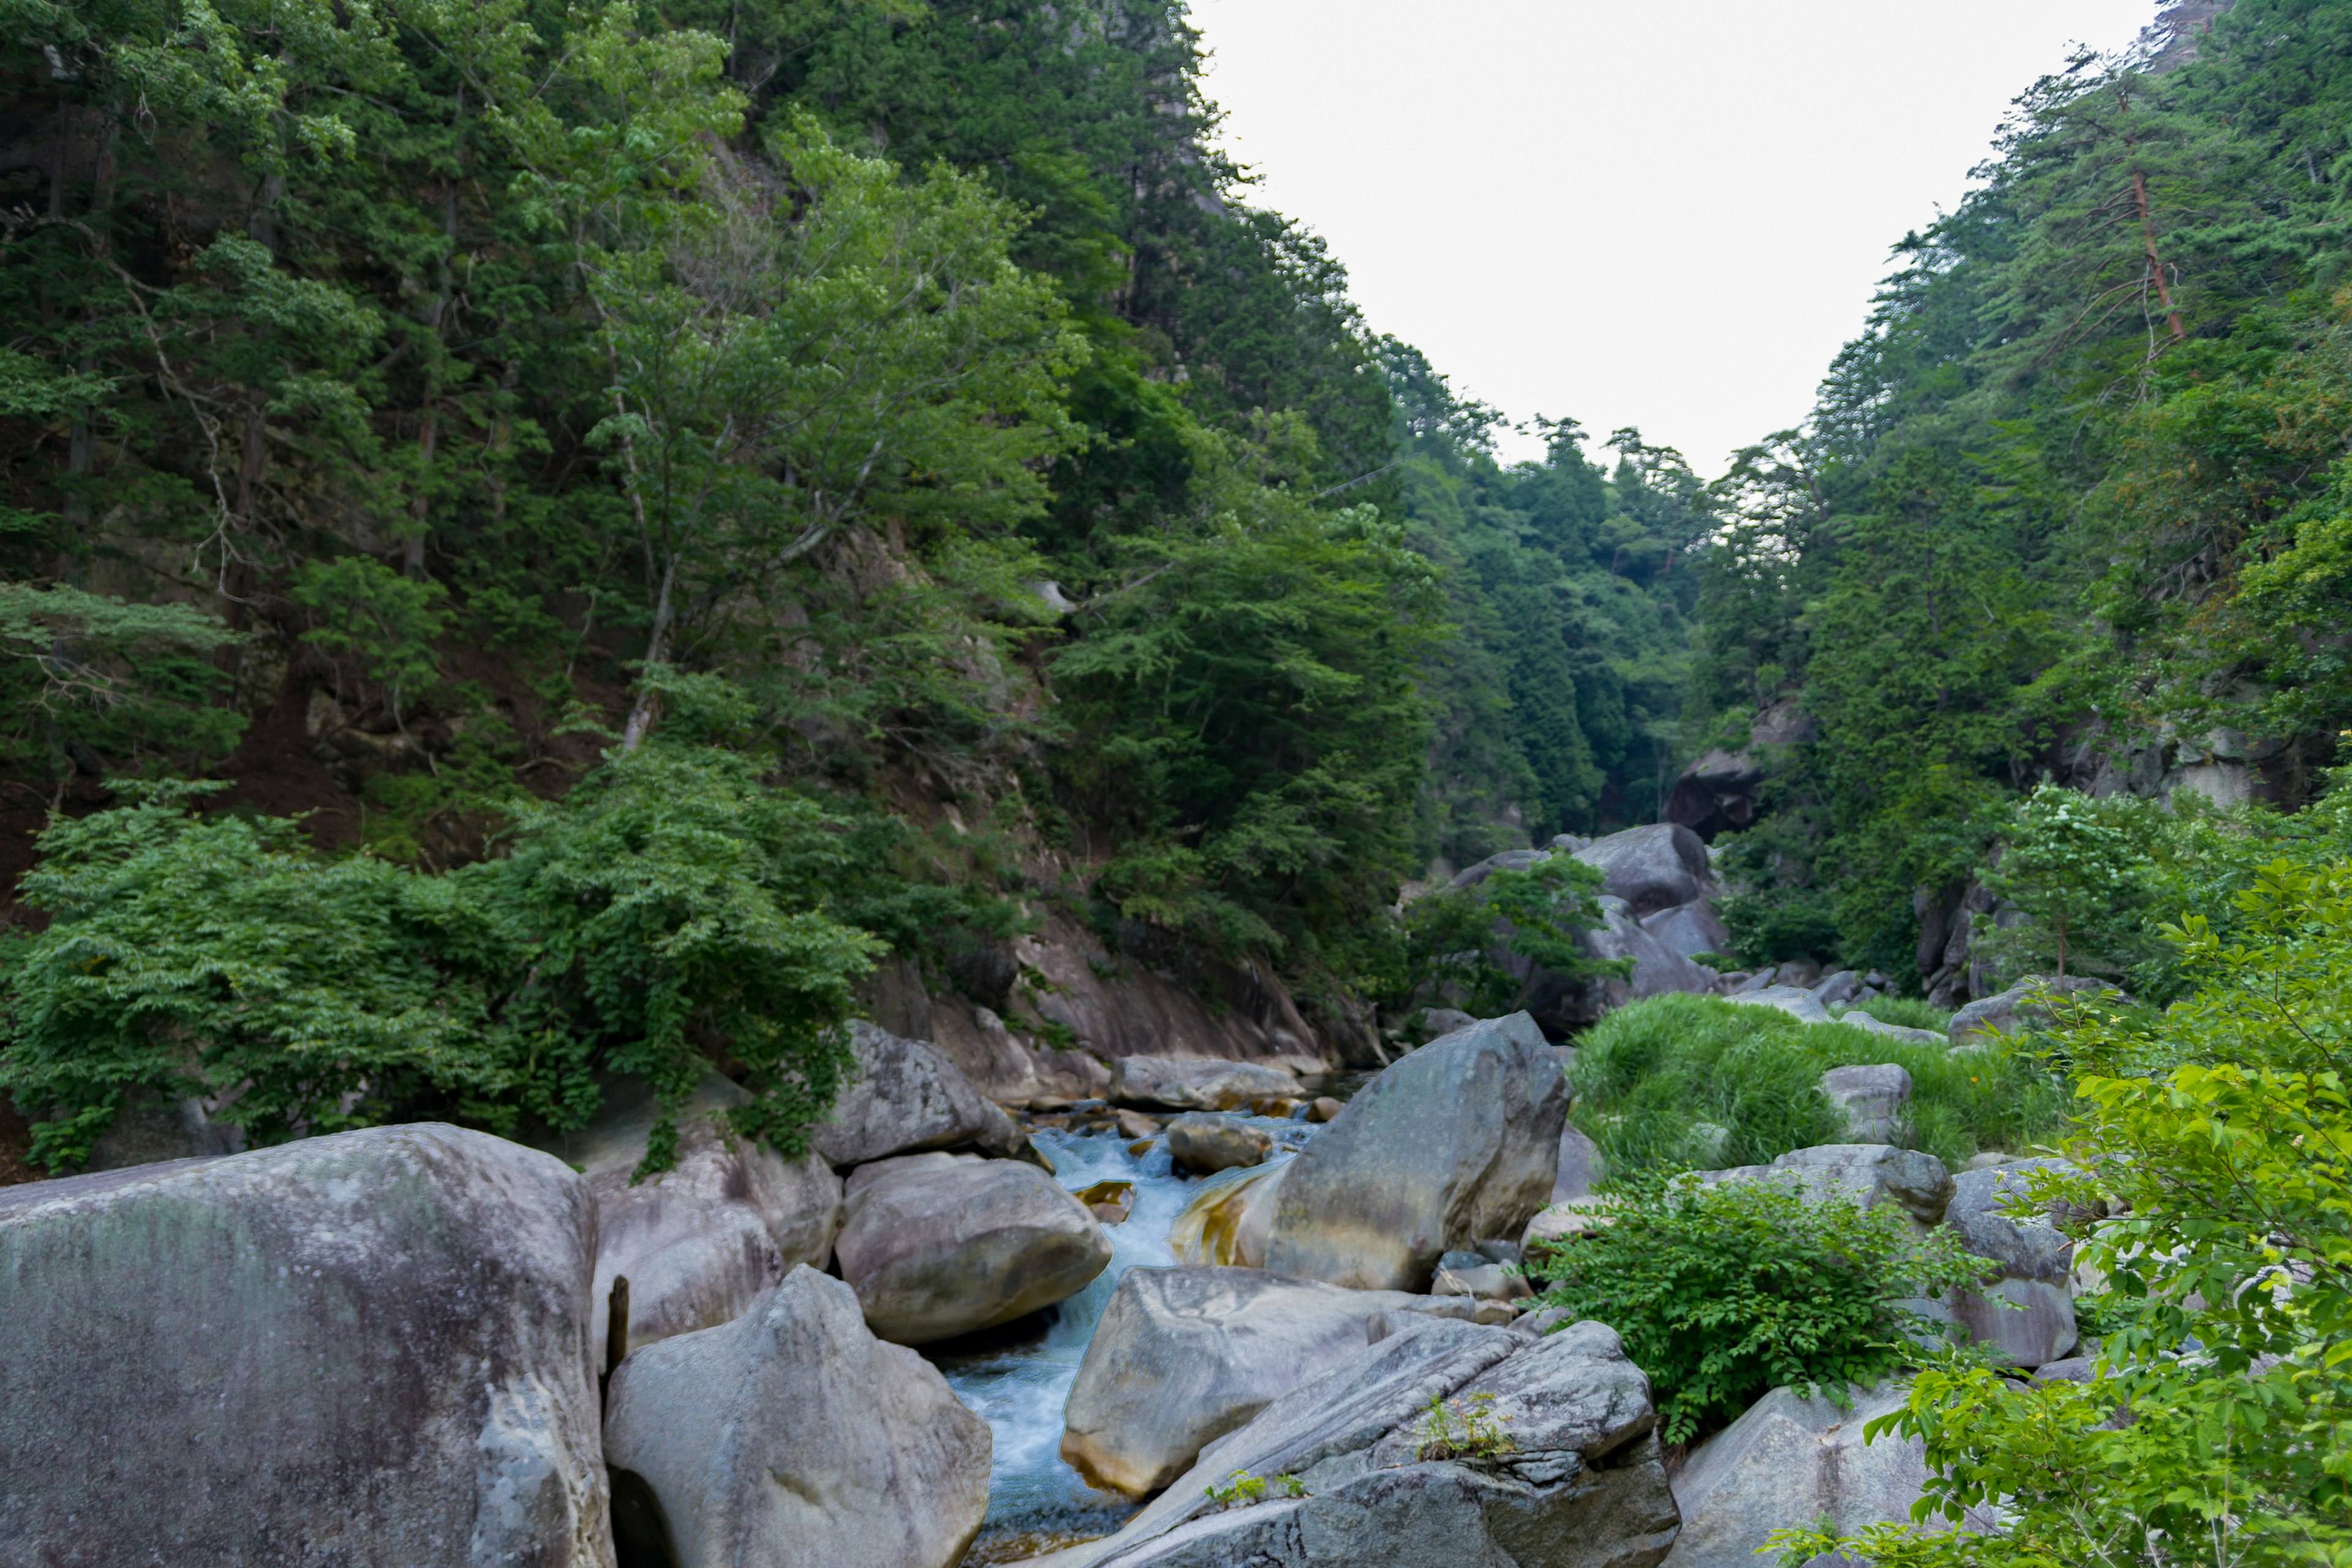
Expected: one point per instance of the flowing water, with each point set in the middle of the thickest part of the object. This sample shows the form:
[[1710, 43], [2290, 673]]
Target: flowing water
[[1036, 1502]]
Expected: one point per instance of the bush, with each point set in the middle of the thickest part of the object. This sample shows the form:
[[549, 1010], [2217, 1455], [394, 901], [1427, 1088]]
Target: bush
[[2223, 1134], [1648, 1074], [1723, 1292], [673, 912]]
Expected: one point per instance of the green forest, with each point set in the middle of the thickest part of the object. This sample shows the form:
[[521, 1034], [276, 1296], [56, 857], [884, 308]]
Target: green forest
[[542, 540]]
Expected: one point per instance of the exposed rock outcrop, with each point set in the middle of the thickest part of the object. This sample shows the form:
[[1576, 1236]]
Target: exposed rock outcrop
[[1457, 1142], [940, 1245], [792, 1437], [1582, 1487], [369, 1349]]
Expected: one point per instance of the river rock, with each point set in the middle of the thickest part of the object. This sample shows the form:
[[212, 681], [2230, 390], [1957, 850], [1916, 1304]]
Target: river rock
[[1794, 999], [1183, 1356], [2025, 1309], [1458, 1142], [1871, 1099], [1229, 1218], [1791, 1461], [2026, 1006], [1689, 929], [1183, 1083], [792, 1437], [1866, 1174], [1858, 1018], [909, 1097], [1207, 1144], [1651, 869], [1582, 1487], [1580, 1168], [365, 1349], [699, 1241], [1564, 1004], [940, 1245]]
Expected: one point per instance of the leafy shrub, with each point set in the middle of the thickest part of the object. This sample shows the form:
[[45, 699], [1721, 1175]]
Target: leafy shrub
[[1647, 1075], [1723, 1292], [672, 912], [2225, 1129], [1452, 942], [1467, 1431]]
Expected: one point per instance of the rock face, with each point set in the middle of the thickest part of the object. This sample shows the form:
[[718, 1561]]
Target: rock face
[[909, 1097], [1651, 869], [1457, 1142], [1872, 1099], [1185, 1084], [1790, 1461], [364, 1349], [792, 1437], [699, 1241], [2026, 1308], [938, 1245], [1207, 1144], [1583, 1488], [2023, 1006], [1183, 1356]]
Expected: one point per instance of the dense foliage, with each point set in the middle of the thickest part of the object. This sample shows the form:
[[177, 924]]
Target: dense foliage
[[1723, 1292], [2222, 1133]]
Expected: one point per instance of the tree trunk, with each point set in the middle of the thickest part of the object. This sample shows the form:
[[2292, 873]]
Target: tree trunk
[[2155, 262]]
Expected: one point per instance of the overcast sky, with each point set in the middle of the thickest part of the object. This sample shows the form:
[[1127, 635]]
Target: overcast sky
[[1662, 213]]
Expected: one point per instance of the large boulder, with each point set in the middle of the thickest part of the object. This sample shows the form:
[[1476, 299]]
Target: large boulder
[[1871, 1099], [1869, 1174], [1182, 1083], [2025, 1308], [1651, 869], [1583, 1486], [907, 1099], [941, 1245], [364, 1349], [1565, 1004], [2027, 1005], [1582, 1167], [1789, 1462], [1856, 1019], [1229, 1218], [150, 1128], [792, 1437], [697, 1242], [1689, 929], [1207, 1144], [1794, 999], [1456, 1143], [1183, 1356]]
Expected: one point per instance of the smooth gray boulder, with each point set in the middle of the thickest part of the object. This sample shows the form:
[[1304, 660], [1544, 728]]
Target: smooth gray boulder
[[1229, 1218], [909, 1098], [2025, 1308], [1871, 1099], [1859, 1018], [940, 1245], [1651, 869], [1563, 1004], [1206, 1144], [149, 1129], [1582, 1167], [1689, 929], [1186, 1083], [792, 1437], [1837, 990], [1797, 1002], [1458, 1142], [2026, 1006], [1582, 1487], [698, 1242], [1789, 1461], [364, 1349], [1867, 1173], [1183, 1356]]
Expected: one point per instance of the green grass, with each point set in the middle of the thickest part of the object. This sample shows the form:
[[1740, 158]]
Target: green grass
[[1648, 1074], [1904, 1011]]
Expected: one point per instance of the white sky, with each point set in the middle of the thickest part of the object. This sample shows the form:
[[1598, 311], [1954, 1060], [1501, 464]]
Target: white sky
[[1661, 212]]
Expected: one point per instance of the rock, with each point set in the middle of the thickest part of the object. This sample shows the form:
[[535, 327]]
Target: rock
[[1651, 869], [1706, 1144], [1500, 1249], [1109, 1201], [1754, 982], [2027, 1323], [1791, 1461], [2025, 1310], [1227, 1221], [1323, 1107], [909, 1097], [937, 1245], [1207, 1144], [1184, 1084], [1855, 1017], [792, 1437], [1440, 1021], [1183, 1356], [1562, 1003], [1872, 1100], [1458, 1140], [1689, 929], [369, 1348], [1134, 1124], [1797, 1003], [1868, 1174], [149, 1129], [698, 1242], [1565, 1221], [2026, 1006], [2074, 1369], [1836, 990], [1584, 1486], [1485, 1281], [1508, 860]]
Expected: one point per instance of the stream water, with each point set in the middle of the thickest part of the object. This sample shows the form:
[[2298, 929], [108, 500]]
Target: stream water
[[1036, 1502]]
